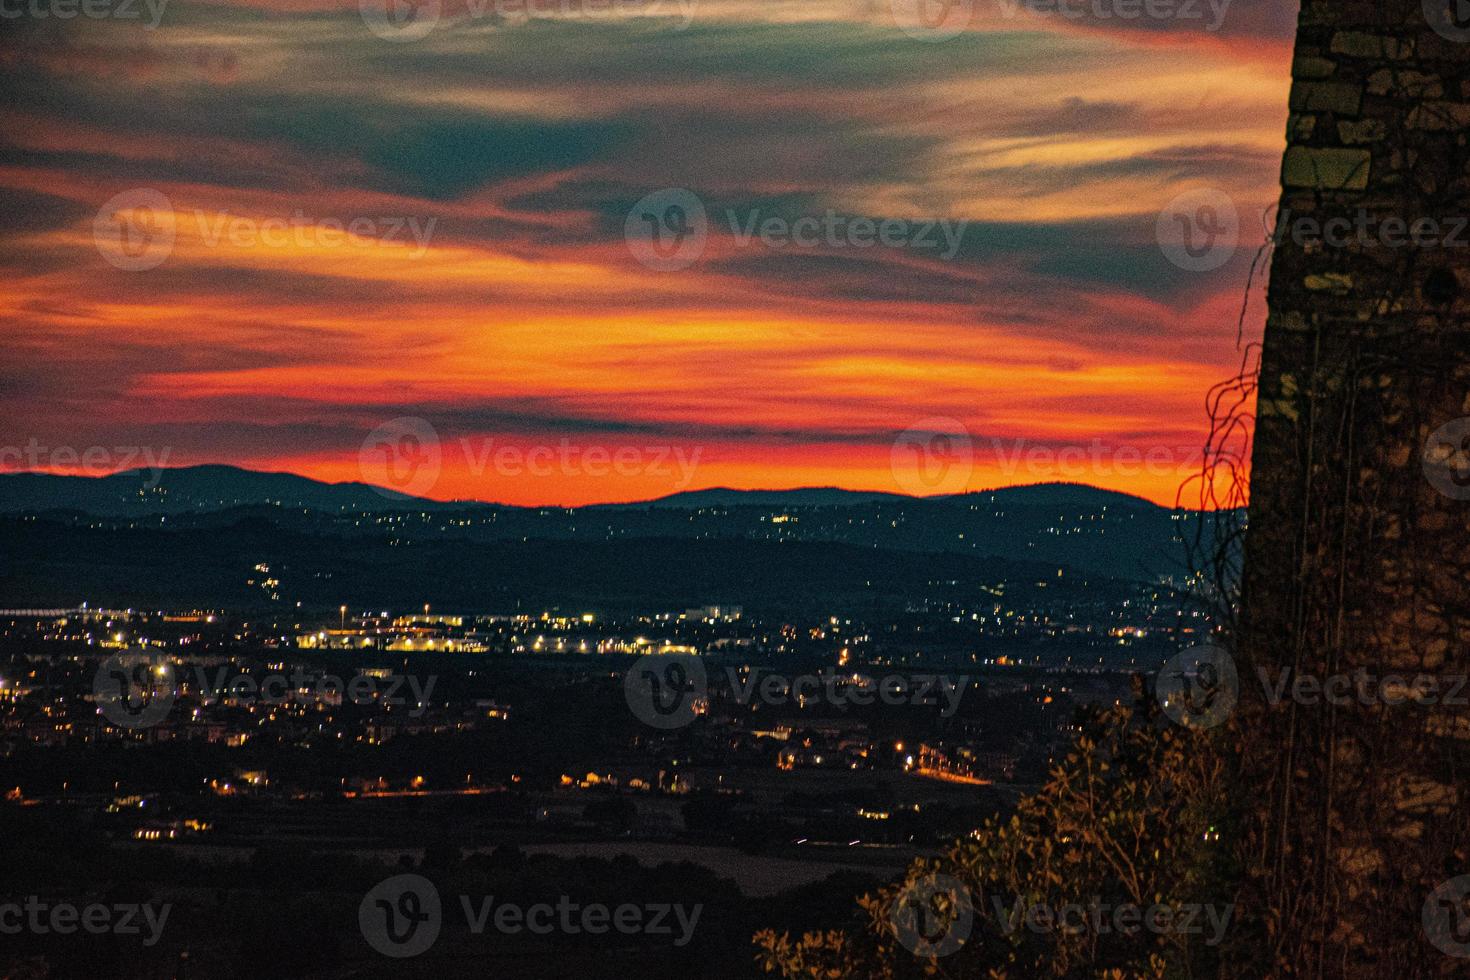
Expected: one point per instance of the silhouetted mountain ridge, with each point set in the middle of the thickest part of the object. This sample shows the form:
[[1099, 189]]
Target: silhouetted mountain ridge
[[215, 487], [140, 492], [1072, 525]]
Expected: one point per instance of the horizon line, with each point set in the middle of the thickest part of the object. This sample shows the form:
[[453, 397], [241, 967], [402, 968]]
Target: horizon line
[[400, 497]]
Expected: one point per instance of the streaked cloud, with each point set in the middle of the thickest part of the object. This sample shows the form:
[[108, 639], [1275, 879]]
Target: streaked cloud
[[518, 146]]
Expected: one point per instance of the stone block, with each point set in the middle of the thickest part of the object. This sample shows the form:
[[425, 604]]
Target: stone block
[[1359, 44], [1336, 97], [1353, 132], [1326, 169], [1329, 281], [1410, 84], [1299, 128], [1306, 66], [1439, 115]]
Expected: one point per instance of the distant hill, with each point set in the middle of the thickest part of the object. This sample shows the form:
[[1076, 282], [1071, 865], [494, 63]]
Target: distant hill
[[800, 497], [1072, 525], [202, 489], [1041, 493], [190, 489], [1046, 494]]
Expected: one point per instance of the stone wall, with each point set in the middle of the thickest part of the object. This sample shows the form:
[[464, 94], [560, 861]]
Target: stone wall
[[1358, 563]]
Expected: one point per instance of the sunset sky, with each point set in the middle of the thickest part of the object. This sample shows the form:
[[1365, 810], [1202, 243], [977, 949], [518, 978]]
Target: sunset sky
[[491, 293]]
